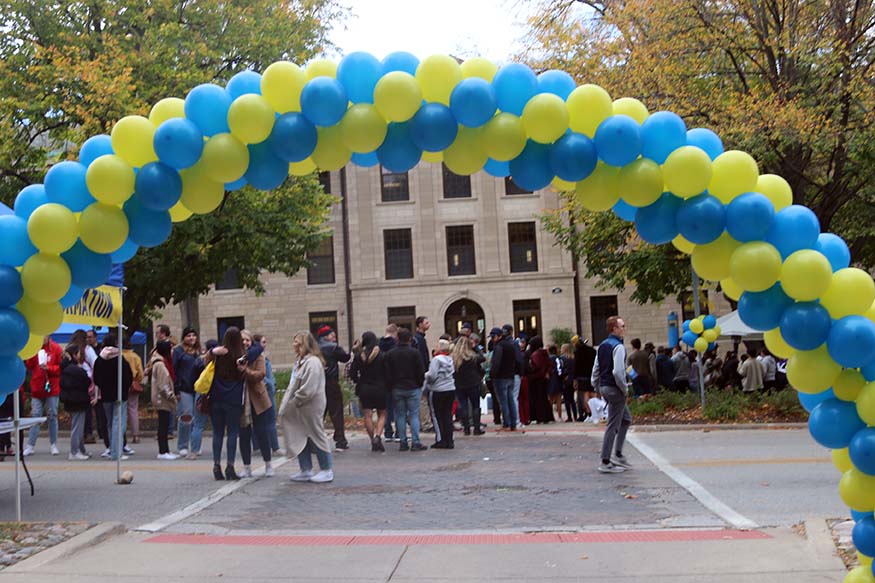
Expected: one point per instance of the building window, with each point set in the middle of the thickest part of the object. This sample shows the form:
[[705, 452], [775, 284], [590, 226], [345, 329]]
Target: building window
[[511, 188], [228, 281], [456, 186], [600, 309], [523, 247], [319, 319], [322, 259], [460, 250], [688, 310], [222, 325], [325, 181], [398, 251], [402, 316], [527, 317], [393, 186]]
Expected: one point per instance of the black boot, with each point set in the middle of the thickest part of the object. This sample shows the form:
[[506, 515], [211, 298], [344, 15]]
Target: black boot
[[230, 474], [467, 430], [217, 472]]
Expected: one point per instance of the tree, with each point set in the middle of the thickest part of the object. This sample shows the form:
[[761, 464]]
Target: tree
[[791, 82], [69, 70]]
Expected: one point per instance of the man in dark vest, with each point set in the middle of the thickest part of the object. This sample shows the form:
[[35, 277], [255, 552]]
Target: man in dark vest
[[333, 354], [609, 375]]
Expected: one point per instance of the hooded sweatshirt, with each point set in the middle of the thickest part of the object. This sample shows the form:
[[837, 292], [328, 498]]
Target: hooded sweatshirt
[[106, 375], [439, 377]]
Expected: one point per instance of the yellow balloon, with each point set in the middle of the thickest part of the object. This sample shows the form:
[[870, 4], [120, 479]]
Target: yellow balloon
[[362, 128], [251, 118], [711, 261], [281, 84], [850, 292], [857, 490], [321, 68], [438, 75], [631, 107], [776, 190], [777, 345], [687, 171], [696, 326], [806, 275], [132, 140], [225, 158], [330, 152], [178, 213], [701, 345], [755, 266], [733, 173], [43, 318], [563, 185], [34, 343], [167, 108], [397, 96], [731, 289], [52, 228], [866, 403], [859, 574], [110, 179], [864, 560], [641, 182], [711, 334], [479, 67], [466, 154], [302, 168], [201, 193], [600, 190], [681, 244], [588, 106], [812, 371], [841, 459], [504, 137], [848, 385], [545, 118], [870, 313], [45, 277], [103, 228], [433, 157]]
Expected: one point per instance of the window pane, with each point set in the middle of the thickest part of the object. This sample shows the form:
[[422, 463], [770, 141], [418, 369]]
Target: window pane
[[601, 308], [523, 248], [402, 316], [527, 317], [325, 181], [510, 187], [228, 281], [394, 186], [398, 253], [456, 186], [460, 250], [222, 324], [322, 258]]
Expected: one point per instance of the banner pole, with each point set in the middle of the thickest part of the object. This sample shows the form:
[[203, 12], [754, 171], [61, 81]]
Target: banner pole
[[16, 436], [119, 433]]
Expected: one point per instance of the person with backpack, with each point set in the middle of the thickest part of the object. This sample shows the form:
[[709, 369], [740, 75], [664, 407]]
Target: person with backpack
[[106, 379], [76, 396]]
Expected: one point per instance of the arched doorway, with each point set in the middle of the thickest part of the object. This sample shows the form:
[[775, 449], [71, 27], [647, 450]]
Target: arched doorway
[[461, 312]]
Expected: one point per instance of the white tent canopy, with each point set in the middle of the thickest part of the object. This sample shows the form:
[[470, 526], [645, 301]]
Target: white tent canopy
[[731, 325]]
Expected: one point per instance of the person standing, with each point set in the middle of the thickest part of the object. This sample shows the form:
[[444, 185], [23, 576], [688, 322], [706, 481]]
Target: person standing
[[441, 390], [422, 326], [256, 406], [187, 364], [404, 372], [87, 342], [609, 375], [502, 369], [751, 372], [76, 397], [468, 378], [664, 368], [270, 383], [368, 372], [681, 381], [769, 366], [333, 354], [566, 360], [584, 360], [162, 378], [106, 379], [539, 372], [45, 388], [387, 343], [226, 400], [136, 363], [639, 360]]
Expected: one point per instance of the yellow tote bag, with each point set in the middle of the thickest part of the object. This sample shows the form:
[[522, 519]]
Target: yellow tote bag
[[204, 383]]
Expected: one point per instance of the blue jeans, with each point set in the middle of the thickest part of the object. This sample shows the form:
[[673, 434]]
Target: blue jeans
[[183, 432], [116, 414], [407, 405], [269, 423], [504, 388], [517, 381], [47, 407], [197, 430], [305, 460], [388, 432], [225, 416]]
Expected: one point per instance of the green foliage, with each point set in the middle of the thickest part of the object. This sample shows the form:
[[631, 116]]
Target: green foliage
[[784, 403], [561, 336], [642, 407], [724, 405]]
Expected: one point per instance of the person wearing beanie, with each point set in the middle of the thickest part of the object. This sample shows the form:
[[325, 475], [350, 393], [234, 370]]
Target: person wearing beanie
[[333, 354], [187, 364]]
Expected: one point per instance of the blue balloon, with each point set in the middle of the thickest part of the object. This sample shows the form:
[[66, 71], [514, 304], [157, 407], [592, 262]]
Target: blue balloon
[[65, 184], [863, 534], [514, 85], [662, 133], [809, 401], [749, 217], [14, 332], [87, 268], [10, 286], [236, 185], [243, 83], [573, 157], [399, 152], [497, 168], [706, 140], [266, 170], [125, 252], [689, 337], [147, 228], [851, 341], [709, 321], [625, 211], [473, 102], [72, 297], [686, 325], [29, 199], [868, 371], [367, 160], [857, 515], [833, 423], [834, 249], [178, 143], [657, 223], [324, 101], [531, 169], [158, 186], [207, 107], [12, 373], [618, 140], [95, 147], [763, 310], [400, 61], [805, 325], [556, 82], [434, 127], [15, 245], [862, 451], [358, 73], [795, 227], [293, 137], [701, 219]]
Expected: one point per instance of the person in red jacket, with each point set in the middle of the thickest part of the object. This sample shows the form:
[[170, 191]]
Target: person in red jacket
[[45, 388]]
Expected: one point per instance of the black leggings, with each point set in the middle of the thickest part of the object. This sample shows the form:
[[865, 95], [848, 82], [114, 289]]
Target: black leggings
[[259, 426], [469, 406], [442, 410], [163, 430], [570, 403]]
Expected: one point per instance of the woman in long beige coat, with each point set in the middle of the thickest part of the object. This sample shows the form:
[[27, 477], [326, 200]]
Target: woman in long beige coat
[[302, 409]]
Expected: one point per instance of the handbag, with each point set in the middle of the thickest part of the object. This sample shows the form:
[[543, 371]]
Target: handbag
[[204, 382], [136, 387], [203, 404]]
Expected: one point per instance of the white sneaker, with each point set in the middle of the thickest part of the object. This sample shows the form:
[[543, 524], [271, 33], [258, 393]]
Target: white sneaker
[[77, 457], [323, 476], [183, 452], [107, 453], [611, 468], [55, 450], [168, 456], [27, 451], [302, 476], [247, 471], [268, 470], [128, 450], [620, 460]]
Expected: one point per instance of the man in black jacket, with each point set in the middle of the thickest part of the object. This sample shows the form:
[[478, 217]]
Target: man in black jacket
[[333, 354], [106, 379], [584, 359], [502, 369], [405, 374]]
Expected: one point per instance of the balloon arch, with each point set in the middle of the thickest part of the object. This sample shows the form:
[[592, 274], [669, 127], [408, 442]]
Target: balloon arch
[[677, 185]]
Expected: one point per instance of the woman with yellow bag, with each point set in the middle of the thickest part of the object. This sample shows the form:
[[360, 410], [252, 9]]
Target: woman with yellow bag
[[225, 399]]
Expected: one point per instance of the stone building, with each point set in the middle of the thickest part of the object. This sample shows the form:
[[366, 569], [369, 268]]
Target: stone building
[[455, 249]]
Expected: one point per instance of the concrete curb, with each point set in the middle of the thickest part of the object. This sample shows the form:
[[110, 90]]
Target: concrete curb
[[93, 536], [717, 426], [820, 541]]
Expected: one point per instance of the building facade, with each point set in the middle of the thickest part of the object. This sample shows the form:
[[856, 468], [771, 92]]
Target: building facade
[[428, 242]]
